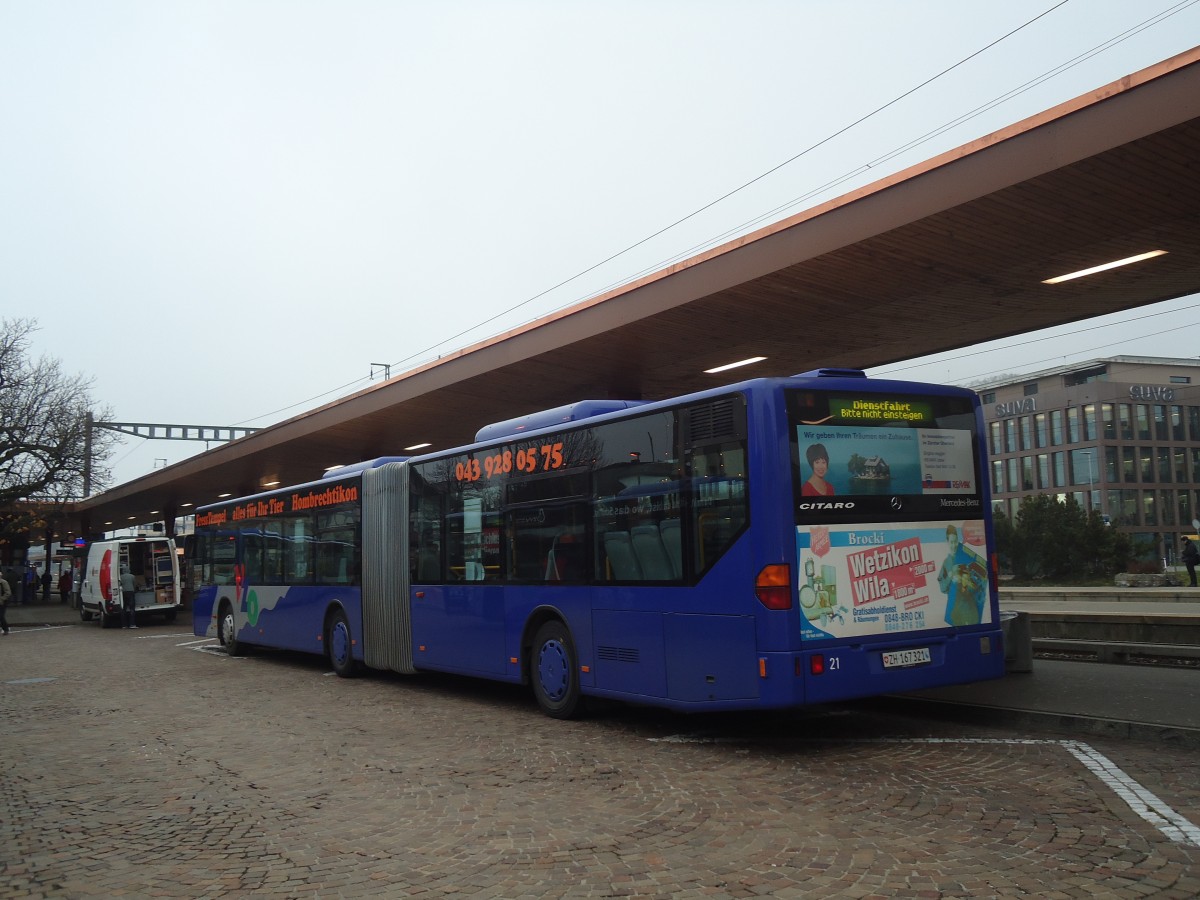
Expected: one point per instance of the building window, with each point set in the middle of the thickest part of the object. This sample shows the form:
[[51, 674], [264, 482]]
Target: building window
[[1026, 434], [1112, 475], [1180, 379], [1143, 421], [1014, 476], [1010, 436], [1031, 389], [1166, 506], [1085, 376], [987, 398], [1108, 415], [1083, 466], [1056, 427], [1043, 464], [1147, 457], [997, 476], [1123, 507], [997, 440], [1073, 424], [1060, 469], [1129, 465], [1149, 516], [1125, 418], [1164, 464], [1089, 422], [1027, 473], [1177, 431], [1193, 417], [1039, 430], [1160, 422]]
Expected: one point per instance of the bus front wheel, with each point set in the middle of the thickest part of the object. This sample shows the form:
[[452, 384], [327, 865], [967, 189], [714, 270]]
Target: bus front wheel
[[555, 671]]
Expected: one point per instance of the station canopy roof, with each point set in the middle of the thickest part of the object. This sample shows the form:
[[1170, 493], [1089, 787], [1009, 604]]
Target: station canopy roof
[[944, 255]]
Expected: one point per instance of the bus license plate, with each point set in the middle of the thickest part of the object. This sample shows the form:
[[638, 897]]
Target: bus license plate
[[900, 658]]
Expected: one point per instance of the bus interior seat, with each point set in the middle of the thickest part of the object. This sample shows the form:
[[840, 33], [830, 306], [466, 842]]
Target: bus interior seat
[[651, 554], [619, 550], [669, 530], [473, 571], [429, 563], [566, 560]]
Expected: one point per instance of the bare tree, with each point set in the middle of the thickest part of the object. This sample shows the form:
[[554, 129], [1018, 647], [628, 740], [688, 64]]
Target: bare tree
[[44, 444]]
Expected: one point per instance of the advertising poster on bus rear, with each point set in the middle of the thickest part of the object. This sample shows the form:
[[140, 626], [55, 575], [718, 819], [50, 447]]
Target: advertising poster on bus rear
[[877, 579]]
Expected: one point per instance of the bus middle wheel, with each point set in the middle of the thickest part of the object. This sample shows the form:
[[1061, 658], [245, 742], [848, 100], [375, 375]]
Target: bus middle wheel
[[555, 671]]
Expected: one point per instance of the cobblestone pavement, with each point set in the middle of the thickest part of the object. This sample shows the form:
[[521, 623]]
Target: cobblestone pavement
[[138, 764]]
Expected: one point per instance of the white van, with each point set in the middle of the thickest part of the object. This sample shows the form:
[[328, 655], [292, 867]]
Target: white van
[[155, 568]]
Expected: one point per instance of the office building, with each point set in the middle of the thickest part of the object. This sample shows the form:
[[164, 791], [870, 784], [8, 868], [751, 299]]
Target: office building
[[1120, 435]]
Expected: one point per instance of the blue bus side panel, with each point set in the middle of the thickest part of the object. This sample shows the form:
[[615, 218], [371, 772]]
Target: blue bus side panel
[[459, 628], [203, 623], [629, 652], [285, 618], [711, 657]]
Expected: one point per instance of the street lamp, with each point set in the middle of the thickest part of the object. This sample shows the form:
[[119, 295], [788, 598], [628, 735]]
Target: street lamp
[[1091, 480]]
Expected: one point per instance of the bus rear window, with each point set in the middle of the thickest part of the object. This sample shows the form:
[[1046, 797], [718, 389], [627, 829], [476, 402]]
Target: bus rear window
[[878, 457]]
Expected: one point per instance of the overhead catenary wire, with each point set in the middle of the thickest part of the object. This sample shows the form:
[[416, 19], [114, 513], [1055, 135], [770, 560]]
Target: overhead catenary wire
[[426, 353]]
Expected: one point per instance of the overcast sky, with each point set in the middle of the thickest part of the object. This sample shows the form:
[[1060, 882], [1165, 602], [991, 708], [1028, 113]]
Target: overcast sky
[[225, 212]]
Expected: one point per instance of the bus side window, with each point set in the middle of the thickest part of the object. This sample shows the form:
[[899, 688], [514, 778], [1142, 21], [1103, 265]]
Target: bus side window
[[720, 502], [222, 555]]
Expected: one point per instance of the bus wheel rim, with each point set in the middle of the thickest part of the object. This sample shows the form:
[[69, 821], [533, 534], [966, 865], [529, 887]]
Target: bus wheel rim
[[340, 639], [552, 670]]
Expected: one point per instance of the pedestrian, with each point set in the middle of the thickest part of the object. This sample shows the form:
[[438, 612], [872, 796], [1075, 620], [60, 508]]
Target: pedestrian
[[5, 596], [129, 597], [29, 591], [47, 581], [1191, 556], [13, 577], [64, 585]]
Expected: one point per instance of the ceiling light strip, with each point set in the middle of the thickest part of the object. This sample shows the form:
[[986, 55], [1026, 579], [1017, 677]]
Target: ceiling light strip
[[1129, 260]]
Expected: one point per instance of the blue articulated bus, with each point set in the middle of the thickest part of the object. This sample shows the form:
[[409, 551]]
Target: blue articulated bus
[[769, 544]]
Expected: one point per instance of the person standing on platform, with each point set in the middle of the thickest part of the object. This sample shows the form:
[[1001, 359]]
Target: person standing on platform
[[13, 577], [1191, 556], [129, 598], [29, 591], [64, 585], [5, 596]]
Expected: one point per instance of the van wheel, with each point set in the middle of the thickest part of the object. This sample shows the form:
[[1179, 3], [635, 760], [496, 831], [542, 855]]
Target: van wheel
[[84, 615], [555, 671], [339, 645], [107, 621], [227, 631]]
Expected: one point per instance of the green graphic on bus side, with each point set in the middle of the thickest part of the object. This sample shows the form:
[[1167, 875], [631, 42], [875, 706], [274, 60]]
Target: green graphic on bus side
[[252, 608]]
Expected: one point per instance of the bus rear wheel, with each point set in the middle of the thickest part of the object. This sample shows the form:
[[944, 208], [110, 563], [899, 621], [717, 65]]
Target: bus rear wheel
[[339, 645], [555, 671], [227, 631]]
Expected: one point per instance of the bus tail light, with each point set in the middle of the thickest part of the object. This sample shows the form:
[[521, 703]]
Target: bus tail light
[[773, 586], [816, 664]]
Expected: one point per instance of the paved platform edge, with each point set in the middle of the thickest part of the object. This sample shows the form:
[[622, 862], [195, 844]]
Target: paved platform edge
[[1055, 722]]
